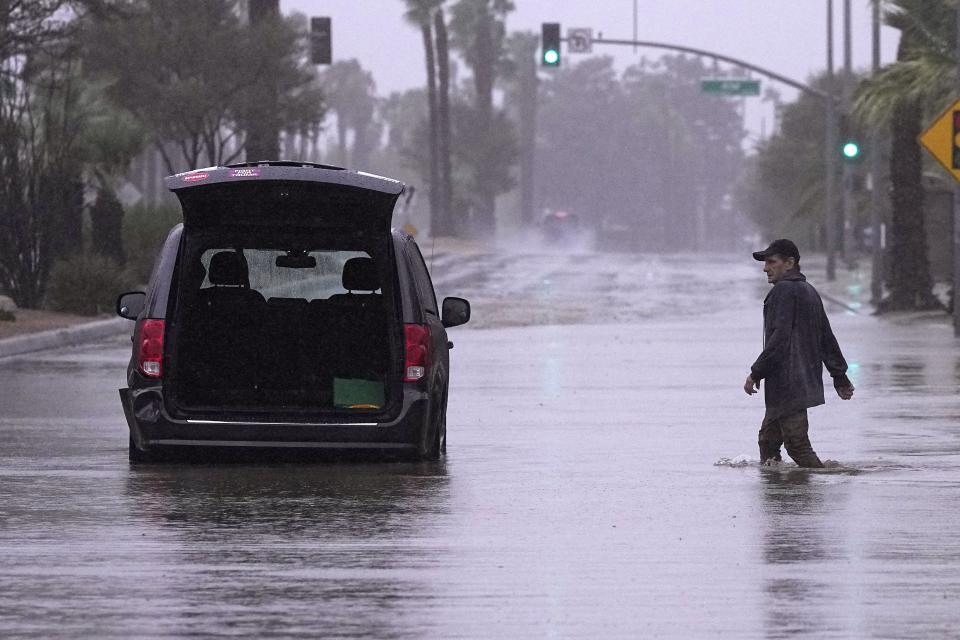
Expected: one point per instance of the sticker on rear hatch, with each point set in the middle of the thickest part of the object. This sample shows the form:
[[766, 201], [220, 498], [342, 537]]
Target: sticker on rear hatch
[[195, 177], [245, 173]]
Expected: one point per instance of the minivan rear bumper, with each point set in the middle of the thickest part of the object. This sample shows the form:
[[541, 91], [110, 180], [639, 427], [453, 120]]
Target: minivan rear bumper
[[151, 427]]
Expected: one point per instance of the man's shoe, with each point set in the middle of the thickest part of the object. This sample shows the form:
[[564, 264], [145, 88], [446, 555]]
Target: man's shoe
[[768, 454]]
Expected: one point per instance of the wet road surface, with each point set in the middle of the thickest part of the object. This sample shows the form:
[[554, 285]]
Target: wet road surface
[[580, 496]]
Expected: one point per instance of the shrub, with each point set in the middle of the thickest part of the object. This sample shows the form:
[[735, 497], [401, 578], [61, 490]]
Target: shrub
[[144, 230], [85, 285]]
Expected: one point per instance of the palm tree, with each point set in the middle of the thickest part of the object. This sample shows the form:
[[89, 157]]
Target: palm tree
[[479, 32], [523, 94], [924, 70], [444, 222], [420, 14], [897, 96]]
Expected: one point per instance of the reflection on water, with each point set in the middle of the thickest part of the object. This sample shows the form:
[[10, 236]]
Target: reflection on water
[[331, 499], [792, 508], [251, 548], [794, 544], [904, 374]]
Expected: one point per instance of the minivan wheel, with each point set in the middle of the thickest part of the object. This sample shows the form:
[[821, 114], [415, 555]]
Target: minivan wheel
[[443, 441], [443, 427], [436, 445]]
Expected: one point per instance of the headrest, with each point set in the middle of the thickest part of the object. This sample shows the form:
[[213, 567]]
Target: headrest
[[229, 268], [360, 274]]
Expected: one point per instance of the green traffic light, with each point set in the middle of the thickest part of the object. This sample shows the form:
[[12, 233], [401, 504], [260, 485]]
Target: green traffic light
[[551, 56], [851, 150]]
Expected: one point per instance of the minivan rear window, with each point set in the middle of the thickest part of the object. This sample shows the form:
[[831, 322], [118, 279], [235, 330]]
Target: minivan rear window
[[272, 281]]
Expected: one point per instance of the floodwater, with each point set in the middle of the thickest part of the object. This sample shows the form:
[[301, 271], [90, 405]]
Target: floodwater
[[581, 495]]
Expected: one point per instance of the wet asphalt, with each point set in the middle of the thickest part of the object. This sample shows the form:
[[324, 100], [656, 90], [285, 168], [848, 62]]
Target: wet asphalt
[[601, 481]]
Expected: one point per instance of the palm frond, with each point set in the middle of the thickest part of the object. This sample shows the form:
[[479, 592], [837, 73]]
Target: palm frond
[[925, 78]]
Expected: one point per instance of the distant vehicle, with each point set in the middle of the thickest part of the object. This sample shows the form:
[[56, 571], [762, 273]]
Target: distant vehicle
[[285, 313], [561, 227]]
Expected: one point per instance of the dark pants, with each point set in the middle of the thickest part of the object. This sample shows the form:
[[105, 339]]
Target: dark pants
[[791, 431]]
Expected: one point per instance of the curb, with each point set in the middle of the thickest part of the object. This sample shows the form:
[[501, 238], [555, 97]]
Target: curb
[[67, 337]]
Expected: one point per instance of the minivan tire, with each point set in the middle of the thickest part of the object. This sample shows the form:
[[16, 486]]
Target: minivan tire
[[432, 444]]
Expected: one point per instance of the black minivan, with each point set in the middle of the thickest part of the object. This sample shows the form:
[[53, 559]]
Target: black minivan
[[285, 313]]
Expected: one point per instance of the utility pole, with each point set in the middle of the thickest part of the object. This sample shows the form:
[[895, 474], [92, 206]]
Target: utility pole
[[956, 213], [847, 222], [263, 126], [876, 198], [830, 158]]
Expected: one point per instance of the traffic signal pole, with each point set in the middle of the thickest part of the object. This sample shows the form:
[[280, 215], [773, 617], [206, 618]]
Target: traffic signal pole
[[830, 159], [956, 212], [876, 216], [847, 222]]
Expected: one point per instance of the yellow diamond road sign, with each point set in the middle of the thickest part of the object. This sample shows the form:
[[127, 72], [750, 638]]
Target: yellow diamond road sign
[[942, 139]]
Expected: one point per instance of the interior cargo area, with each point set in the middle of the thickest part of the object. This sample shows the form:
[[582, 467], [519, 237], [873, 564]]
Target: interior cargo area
[[280, 327]]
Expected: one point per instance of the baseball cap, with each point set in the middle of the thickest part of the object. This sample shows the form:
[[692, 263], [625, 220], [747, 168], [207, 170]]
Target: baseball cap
[[783, 248]]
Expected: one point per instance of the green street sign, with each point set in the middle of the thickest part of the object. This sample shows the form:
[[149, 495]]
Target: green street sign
[[730, 86]]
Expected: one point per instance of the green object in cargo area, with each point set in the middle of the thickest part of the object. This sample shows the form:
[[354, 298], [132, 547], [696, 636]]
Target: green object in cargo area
[[357, 394]]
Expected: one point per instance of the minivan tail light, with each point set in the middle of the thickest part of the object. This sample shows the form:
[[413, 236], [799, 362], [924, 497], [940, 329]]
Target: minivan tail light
[[150, 348], [417, 353]]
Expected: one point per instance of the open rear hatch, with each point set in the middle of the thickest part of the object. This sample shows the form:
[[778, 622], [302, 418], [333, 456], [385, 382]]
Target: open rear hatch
[[288, 195], [287, 303]]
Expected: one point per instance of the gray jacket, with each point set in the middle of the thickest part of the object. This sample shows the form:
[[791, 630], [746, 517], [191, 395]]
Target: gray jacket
[[797, 343]]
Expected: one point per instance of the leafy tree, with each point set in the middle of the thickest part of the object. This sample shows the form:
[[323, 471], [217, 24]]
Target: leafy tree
[[111, 139], [351, 96], [472, 146], [703, 137], [625, 150], [408, 131], [193, 74], [43, 107], [584, 164], [783, 189]]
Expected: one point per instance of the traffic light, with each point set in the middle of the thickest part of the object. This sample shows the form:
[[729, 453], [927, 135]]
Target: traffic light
[[850, 149], [320, 41], [550, 44]]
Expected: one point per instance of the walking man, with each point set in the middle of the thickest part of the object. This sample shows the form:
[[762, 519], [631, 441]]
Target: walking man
[[797, 343]]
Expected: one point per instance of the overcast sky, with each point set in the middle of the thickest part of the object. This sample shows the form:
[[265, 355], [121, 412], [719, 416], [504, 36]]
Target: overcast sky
[[785, 36]]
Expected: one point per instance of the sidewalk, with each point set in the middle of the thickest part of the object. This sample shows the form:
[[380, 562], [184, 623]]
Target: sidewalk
[[851, 290], [74, 330]]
